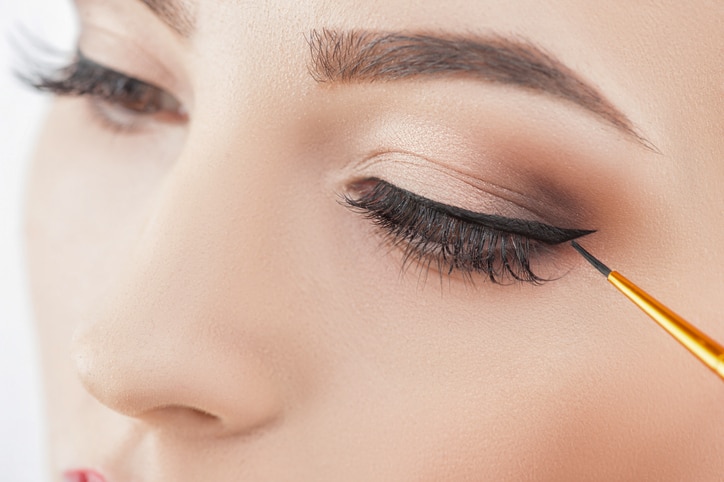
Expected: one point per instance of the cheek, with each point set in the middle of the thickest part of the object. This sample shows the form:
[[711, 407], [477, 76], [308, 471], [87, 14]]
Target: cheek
[[86, 203], [493, 376]]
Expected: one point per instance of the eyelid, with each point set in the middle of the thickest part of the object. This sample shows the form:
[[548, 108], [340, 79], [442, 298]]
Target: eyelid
[[101, 70], [487, 177], [119, 101], [535, 230]]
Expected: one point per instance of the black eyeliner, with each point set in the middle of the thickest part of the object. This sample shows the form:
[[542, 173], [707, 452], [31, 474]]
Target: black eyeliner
[[536, 230]]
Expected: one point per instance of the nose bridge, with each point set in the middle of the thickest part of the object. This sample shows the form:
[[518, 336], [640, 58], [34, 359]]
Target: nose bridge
[[182, 329]]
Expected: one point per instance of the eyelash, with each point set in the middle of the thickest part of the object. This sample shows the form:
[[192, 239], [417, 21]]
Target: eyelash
[[131, 98], [433, 238]]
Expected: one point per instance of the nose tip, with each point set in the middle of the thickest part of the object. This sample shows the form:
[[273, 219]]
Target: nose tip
[[178, 383]]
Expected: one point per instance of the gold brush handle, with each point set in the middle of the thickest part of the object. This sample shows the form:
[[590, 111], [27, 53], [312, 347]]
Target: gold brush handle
[[698, 343]]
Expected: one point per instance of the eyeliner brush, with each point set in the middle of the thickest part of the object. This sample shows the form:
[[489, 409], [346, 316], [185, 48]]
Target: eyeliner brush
[[699, 344]]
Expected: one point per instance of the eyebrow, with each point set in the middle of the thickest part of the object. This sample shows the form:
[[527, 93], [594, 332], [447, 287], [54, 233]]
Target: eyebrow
[[177, 14], [365, 56]]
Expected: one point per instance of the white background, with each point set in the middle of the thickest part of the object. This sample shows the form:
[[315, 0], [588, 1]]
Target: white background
[[22, 451]]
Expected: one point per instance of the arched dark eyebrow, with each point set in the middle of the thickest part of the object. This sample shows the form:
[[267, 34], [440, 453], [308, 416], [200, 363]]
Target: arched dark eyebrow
[[363, 56], [177, 14]]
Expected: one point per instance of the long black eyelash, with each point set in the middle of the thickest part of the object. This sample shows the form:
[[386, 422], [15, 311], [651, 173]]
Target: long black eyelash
[[431, 236]]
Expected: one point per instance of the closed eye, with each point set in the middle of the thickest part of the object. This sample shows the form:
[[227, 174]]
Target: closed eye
[[451, 238], [120, 100]]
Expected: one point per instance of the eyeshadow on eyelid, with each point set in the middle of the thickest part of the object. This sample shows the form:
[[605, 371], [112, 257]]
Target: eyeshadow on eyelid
[[533, 229], [515, 184], [543, 232]]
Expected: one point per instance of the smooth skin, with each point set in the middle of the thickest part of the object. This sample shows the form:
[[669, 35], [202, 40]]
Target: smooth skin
[[209, 310]]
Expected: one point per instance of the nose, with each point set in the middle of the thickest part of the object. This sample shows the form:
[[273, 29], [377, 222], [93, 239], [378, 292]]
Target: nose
[[179, 343]]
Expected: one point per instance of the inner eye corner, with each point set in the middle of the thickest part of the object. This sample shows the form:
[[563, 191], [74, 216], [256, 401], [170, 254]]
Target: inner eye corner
[[361, 186]]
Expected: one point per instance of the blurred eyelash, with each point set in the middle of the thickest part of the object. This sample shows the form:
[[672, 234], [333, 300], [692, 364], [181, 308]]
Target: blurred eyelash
[[133, 98], [452, 238]]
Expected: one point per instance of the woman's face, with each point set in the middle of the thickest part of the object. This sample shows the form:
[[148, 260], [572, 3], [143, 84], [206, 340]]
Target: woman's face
[[212, 308]]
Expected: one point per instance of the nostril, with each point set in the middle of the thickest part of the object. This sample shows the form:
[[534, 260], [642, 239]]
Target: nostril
[[179, 411], [180, 419]]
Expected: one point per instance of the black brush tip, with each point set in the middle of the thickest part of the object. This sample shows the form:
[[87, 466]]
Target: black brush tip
[[605, 270]]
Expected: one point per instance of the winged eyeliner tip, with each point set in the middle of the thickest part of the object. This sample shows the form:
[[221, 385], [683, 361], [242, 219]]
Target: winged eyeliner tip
[[571, 234]]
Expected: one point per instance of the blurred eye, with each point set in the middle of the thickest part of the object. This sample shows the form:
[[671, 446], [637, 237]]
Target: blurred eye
[[119, 101]]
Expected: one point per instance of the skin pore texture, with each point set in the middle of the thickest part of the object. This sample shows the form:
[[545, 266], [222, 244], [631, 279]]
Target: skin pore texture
[[208, 309]]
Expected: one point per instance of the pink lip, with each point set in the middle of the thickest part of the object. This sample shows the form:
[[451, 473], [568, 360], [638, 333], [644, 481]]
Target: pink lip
[[83, 475]]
